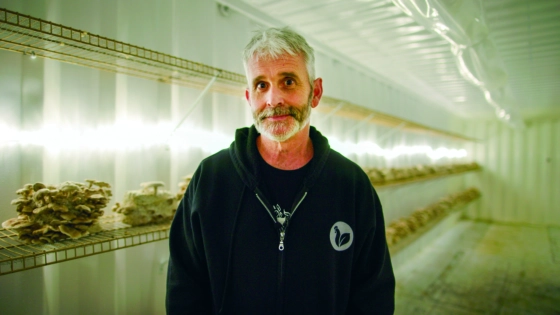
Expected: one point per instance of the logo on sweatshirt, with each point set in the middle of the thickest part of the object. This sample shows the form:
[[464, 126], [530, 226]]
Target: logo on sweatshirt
[[341, 236]]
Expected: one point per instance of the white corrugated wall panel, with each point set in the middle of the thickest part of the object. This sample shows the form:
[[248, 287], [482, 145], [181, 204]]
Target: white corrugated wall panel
[[520, 180]]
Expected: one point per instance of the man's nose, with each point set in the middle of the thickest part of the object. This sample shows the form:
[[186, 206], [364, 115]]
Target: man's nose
[[274, 97]]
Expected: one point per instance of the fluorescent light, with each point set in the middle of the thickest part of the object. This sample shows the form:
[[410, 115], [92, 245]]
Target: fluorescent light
[[136, 135], [122, 135], [367, 147]]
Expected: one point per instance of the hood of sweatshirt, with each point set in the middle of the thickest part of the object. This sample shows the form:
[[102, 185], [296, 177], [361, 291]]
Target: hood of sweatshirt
[[244, 154]]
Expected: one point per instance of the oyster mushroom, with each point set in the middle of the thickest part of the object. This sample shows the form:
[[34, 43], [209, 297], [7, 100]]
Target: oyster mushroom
[[45, 211], [40, 209], [148, 205], [15, 223], [39, 196], [81, 221], [102, 184], [84, 208], [57, 207], [38, 186], [127, 210], [25, 192], [96, 214], [45, 239], [20, 203], [41, 231], [81, 227], [70, 231], [69, 187], [27, 209], [153, 185], [67, 216], [90, 181], [8, 223]]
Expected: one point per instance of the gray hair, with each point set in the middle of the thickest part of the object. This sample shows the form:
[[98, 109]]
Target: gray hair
[[274, 42]]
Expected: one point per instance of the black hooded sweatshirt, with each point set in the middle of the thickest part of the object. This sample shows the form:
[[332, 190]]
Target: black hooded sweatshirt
[[230, 253]]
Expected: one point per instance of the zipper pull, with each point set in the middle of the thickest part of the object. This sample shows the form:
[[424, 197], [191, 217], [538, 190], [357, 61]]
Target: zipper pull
[[281, 246]]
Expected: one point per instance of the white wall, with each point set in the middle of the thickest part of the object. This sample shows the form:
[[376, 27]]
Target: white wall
[[521, 178], [39, 92]]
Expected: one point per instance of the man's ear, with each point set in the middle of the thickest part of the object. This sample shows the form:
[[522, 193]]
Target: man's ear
[[247, 95], [317, 92]]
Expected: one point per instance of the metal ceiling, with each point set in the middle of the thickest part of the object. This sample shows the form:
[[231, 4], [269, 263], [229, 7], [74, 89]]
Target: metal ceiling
[[378, 35]]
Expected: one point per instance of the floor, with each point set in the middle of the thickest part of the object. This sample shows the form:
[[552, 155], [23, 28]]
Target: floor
[[483, 268]]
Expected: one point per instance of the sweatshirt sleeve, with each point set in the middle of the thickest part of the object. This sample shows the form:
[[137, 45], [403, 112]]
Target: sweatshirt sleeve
[[188, 290], [373, 281]]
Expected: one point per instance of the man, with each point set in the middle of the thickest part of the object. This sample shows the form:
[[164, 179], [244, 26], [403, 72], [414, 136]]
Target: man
[[279, 223]]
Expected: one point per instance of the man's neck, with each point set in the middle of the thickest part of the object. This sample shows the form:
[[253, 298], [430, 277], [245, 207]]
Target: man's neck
[[291, 154]]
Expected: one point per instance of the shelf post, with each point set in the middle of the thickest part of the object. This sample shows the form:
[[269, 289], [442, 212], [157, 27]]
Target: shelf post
[[360, 124], [390, 132], [329, 114], [194, 105]]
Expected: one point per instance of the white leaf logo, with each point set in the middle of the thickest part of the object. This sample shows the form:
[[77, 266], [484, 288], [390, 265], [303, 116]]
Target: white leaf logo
[[341, 236]]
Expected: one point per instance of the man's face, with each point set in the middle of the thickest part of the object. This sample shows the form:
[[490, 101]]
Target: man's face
[[280, 96]]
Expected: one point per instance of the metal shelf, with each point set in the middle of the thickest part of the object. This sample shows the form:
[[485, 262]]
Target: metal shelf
[[361, 114], [36, 37], [17, 256], [422, 178], [421, 231], [405, 242]]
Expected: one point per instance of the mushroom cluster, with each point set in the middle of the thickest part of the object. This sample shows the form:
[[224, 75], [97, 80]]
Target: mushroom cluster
[[183, 186], [388, 175], [149, 205], [404, 227], [48, 213]]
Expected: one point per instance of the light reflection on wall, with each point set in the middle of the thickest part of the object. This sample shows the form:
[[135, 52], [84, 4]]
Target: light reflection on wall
[[367, 147], [127, 135]]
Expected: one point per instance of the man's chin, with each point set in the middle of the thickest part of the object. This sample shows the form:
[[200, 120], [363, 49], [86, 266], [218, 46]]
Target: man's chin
[[279, 135]]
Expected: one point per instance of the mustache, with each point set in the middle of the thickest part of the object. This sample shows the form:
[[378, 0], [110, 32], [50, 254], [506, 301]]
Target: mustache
[[277, 111]]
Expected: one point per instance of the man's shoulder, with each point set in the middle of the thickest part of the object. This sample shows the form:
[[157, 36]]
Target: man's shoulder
[[336, 159], [223, 153], [216, 161]]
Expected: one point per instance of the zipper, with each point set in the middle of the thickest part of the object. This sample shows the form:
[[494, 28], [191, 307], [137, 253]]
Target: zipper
[[282, 235], [264, 205], [282, 218]]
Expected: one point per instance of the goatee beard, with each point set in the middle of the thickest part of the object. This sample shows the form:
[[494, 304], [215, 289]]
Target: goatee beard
[[282, 130]]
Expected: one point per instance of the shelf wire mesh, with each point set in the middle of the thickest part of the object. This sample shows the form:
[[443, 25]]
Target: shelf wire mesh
[[36, 37], [460, 169], [16, 255]]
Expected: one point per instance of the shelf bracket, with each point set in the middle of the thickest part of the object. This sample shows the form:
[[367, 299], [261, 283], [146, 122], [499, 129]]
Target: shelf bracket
[[194, 105], [329, 114], [360, 124]]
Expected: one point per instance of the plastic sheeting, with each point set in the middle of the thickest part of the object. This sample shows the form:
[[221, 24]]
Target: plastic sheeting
[[462, 24]]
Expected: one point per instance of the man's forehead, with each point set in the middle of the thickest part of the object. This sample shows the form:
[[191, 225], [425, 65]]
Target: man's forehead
[[267, 57], [283, 63], [265, 54]]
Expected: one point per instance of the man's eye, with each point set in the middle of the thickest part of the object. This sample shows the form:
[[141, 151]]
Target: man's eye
[[290, 82], [261, 85]]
